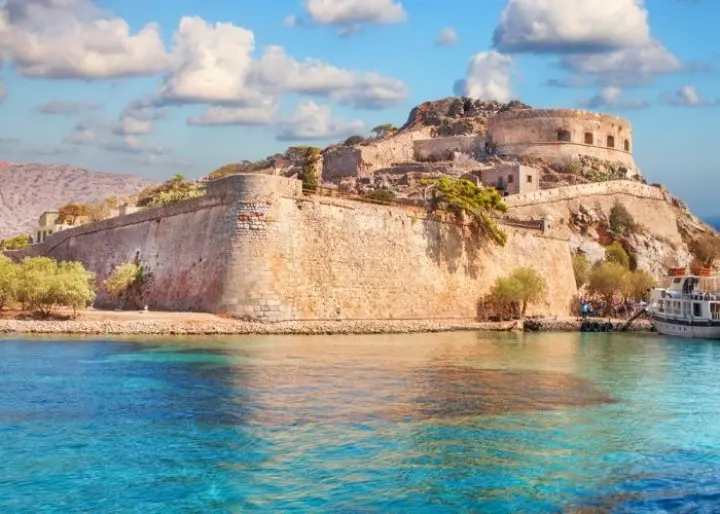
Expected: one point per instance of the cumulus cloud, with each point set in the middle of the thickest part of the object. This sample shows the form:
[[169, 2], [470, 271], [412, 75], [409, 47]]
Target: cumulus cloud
[[293, 21], [350, 12], [261, 114], [214, 64], [554, 26], [73, 39], [688, 96], [628, 66], [137, 118], [447, 37], [488, 77], [611, 97], [61, 108], [82, 135], [311, 122], [131, 145]]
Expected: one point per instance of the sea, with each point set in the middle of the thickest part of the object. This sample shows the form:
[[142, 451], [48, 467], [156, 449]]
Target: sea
[[454, 422]]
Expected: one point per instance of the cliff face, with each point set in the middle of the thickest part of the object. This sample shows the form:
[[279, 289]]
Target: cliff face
[[581, 214]]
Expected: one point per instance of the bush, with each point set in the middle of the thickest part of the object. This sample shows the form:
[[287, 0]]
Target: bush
[[706, 249], [512, 294], [68, 214], [581, 269], [638, 285], [15, 243], [128, 284], [353, 140], [617, 254], [621, 221], [383, 195], [462, 196]]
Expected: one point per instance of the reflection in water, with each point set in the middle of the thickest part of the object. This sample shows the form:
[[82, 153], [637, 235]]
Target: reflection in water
[[423, 423]]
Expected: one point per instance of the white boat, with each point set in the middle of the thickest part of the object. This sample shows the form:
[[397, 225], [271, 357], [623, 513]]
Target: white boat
[[688, 307]]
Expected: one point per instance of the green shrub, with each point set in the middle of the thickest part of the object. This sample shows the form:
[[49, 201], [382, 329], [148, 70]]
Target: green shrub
[[128, 284], [15, 243], [617, 254], [382, 195], [621, 222], [512, 294], [9, 281], [581, 269]]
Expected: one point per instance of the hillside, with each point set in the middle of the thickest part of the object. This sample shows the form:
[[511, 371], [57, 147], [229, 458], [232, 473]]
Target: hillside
[[28, 190]]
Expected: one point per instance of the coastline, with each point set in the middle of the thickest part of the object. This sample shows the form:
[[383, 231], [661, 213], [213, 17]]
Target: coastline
[[179, 327]]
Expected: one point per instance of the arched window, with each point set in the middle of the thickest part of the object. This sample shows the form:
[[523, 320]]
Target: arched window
[[563, 135], [611, 142], [589, 139], [627, 145]]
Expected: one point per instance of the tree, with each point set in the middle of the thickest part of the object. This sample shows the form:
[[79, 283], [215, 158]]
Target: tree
[[17, 242], [353, 140], [382, 194], [621, 221], [68, 214], [706, 249], [43, 283], [462, 196], [581, 269], [607, 281], [513, 294], [617, 254], [8, 281], [385, 130], [638, 284], [174, 190], [128, 284], [75, 286]]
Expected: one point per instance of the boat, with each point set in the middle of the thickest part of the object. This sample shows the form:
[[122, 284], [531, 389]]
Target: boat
[[689, 306]]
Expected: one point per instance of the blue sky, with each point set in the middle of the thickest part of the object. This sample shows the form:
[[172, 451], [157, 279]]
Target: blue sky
[[207, 83]]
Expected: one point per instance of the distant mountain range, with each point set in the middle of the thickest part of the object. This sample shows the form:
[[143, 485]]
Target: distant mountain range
[[28, 190]]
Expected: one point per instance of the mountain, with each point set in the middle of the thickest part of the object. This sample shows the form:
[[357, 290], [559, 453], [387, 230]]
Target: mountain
[[28, 190]]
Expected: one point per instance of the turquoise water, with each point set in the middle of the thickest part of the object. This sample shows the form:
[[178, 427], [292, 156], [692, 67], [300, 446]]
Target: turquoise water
[[423, 423]]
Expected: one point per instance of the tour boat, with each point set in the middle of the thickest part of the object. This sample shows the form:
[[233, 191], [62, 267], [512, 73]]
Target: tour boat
[[689, 306]]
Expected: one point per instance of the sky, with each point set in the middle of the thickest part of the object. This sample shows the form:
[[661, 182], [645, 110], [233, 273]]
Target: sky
[[158, 88]]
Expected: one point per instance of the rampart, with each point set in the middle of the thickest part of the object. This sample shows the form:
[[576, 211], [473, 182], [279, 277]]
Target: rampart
[[442, 148], [256, 247], [561, 135], [613, 187]]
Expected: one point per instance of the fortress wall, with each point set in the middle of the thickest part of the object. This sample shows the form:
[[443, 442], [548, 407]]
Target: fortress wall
[[612, 187], [564, 153], [256, 248], [338, 259], [441, 148]]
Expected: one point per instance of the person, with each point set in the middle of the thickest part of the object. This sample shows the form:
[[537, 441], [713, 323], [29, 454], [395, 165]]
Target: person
[[584, 310]]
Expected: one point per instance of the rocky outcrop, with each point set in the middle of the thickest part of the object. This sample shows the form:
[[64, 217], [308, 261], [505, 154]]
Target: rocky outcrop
[[463, 109]]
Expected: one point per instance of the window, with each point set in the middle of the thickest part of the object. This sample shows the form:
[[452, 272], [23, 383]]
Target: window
[[589, 139], [511, 179], [697, 309], [529, 179], [563, 135], [627, 145], [610, 142]]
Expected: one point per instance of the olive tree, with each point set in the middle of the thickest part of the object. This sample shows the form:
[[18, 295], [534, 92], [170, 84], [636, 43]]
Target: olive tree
[[607, 281], [8, 281], [128, 284], [513, 294]]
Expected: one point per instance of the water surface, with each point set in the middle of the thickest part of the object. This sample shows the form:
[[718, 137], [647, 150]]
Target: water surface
[[423, 423]]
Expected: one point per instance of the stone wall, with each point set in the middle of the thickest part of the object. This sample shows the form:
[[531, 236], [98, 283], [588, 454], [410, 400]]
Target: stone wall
[[255, 247], [563, 154], [363, 159], [442, 148], [613, 187]]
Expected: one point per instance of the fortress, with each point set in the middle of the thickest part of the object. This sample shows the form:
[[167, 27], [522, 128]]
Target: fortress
[[559, 137]]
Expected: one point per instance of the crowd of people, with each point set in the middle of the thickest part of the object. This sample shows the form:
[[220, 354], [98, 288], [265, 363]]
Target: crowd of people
[[591, 307]]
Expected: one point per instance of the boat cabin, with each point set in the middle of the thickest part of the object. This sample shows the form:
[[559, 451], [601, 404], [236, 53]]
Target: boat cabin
[[689, 297]]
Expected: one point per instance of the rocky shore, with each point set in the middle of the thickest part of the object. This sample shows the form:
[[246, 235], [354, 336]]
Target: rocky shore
[[232, 327]]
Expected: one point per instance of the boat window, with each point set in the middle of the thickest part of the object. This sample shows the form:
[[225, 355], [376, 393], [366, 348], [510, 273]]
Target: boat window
[[677, 280], [715, 310], [697, 309]]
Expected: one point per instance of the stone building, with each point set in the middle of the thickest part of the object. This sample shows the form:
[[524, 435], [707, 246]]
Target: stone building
[[47, 225], [559, 136], [512, 179]]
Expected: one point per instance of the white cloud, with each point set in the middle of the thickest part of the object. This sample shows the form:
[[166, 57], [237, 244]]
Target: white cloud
[[488, 77], [311, 122], [215, 65], [688, 96], [293, 21], [628, 66], [74, 39], [350, 12], [83, 135], [556, 26], [131, 145], [610, 97], [137, 118], [252, 115], [61, 108], [447, 37]]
